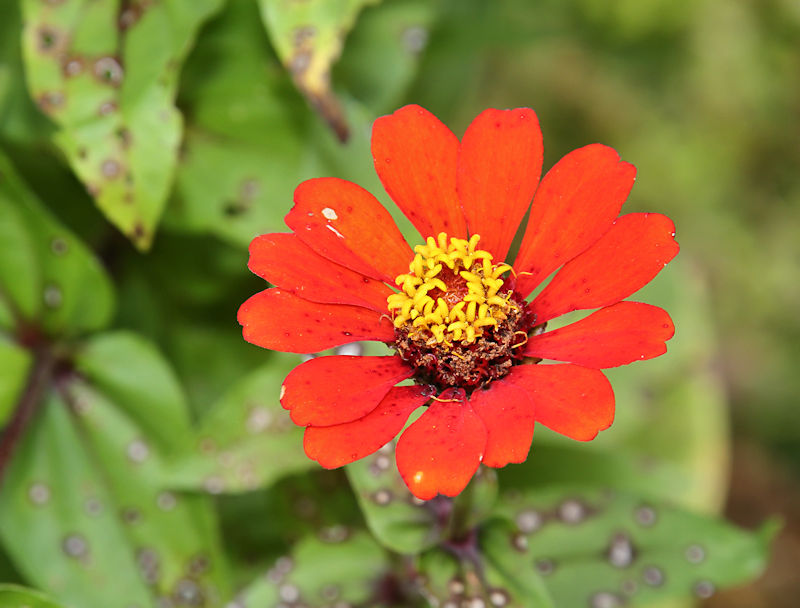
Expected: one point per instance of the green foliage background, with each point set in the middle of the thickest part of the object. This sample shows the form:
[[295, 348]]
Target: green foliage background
[[144, 143]]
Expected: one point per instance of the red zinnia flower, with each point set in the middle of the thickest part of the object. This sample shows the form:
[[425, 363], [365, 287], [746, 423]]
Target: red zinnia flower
[[454, 312]]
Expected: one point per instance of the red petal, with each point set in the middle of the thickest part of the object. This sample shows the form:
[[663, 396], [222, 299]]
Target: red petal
[[415, 156], [284, 261], [334, 446], [441, 451], [575, 401], [508, 415], [575, 205], [612, 336], [499, 165], [281, 321], [624, 260], [338, 389], [346, 224]]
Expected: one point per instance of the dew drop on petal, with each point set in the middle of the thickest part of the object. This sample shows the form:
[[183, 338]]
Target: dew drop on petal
[[39, 493], [329, 214]]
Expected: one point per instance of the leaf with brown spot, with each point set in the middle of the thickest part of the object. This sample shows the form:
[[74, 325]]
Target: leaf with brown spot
[[97, 80], [308, 37]]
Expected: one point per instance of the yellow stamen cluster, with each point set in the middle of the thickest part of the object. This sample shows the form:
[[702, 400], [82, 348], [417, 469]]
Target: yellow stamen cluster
[[451, 316]]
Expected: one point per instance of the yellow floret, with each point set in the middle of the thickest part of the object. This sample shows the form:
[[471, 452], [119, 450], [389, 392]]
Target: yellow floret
[[435, 321]]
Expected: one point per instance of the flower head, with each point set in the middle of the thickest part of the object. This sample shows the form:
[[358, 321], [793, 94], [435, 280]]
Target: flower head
[[454, 309]]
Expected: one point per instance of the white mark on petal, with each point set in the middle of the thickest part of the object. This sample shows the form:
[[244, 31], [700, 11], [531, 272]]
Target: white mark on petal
[[336, 232], [329, 214]]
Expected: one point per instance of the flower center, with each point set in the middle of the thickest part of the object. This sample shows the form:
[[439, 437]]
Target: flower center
[[451, 293], [456, 319]]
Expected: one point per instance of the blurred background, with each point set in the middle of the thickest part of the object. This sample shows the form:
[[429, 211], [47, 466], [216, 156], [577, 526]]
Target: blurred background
[[703, 96]]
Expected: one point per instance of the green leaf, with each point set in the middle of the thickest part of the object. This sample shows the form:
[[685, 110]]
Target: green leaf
[[107, 76], [247, 440], [55, 503], [398, 520], [261, 526], [19, 117], [15, 362], [508, 573], [48, 279], [85, 487], [14, 596], [605, 548], [308, 38], [321, 573], [249, 140], [382, 53]]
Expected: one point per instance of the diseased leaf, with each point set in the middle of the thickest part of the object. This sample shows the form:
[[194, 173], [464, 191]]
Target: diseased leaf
[[250, 142], [14, 596], [322, 573], [19, 117], [508, 576], [55, 503], [107, 76], [398, 520], [605, 548], [247, 440], [308, 37], [483, 570], [85, 488], [49, 281]]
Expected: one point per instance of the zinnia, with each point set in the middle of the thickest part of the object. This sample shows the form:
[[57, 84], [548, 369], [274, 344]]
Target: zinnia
[[452, 309]]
